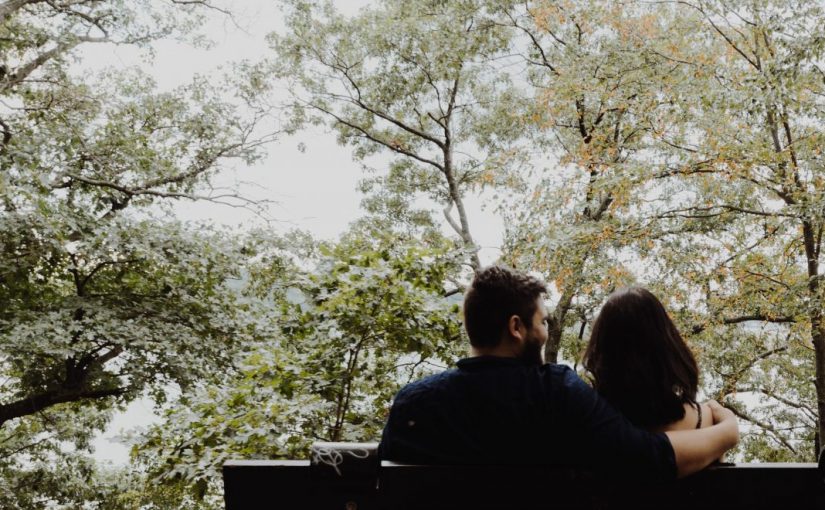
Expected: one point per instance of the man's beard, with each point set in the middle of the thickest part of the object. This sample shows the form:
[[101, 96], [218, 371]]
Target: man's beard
[[531, 354]]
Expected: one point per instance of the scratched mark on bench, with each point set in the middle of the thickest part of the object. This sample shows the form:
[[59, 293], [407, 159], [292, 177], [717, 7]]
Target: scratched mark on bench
[[332, 457]]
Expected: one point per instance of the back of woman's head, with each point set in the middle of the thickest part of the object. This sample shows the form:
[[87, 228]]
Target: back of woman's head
[[639, 361]]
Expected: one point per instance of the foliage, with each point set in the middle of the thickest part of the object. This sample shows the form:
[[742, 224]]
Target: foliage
[[748, 166], [420, 81], [675, 144], [347, 331], [687, 138], [104, 297], [681, 152], [599, 106]]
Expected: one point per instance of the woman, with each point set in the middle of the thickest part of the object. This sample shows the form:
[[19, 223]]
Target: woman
[[641, 365]]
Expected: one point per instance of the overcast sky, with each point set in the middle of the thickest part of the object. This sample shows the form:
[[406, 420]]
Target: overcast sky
[[314, 189]]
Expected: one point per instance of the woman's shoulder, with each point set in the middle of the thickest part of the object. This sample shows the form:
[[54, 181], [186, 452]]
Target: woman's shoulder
[[695, 417], [707, 415]]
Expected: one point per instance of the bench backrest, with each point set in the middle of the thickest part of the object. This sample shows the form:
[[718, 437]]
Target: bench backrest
[[348, 476]]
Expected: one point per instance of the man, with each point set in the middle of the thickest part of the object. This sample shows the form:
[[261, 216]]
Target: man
[[503, 406]]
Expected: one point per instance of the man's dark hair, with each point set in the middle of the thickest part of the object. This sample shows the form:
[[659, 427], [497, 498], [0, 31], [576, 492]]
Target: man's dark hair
[[639, 361], [496, 294]]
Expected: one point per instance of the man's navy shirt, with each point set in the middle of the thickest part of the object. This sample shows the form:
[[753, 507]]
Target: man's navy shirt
[[493, 410]]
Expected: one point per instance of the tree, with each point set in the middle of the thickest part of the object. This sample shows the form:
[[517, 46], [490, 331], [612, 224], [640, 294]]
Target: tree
[[357, 319], [643, 184], [417, 81], [665, 176], [104, 297], [598, 106], [750, 160]]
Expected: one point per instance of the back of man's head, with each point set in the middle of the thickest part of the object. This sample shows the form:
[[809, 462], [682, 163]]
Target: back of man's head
[[496, 294]]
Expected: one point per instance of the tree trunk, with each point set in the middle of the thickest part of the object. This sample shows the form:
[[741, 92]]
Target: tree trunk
[[463, 228], [551, 348], [816, 315], [555, 325], [819, 348]]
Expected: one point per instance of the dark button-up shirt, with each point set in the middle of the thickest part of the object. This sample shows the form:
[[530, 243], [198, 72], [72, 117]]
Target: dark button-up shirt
[[492, 410]]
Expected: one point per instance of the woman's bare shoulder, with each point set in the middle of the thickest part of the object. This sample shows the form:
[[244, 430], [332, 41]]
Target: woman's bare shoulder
[[707, 416], [691, 419]]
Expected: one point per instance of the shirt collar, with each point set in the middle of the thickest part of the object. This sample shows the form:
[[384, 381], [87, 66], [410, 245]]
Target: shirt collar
[[482, 362]]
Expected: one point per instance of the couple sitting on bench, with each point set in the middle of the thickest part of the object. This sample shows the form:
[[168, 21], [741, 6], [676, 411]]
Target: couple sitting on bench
[[502, 405]]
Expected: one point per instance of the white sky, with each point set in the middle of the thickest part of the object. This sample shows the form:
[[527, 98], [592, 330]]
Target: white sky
[[315, 190]]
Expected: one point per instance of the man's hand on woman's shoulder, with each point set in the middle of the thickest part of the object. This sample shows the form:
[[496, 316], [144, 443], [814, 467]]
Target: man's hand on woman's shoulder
[[696, 449], [720, 413], [726, 417]]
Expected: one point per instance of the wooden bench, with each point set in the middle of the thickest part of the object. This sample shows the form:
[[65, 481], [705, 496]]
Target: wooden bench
[[348, 476]]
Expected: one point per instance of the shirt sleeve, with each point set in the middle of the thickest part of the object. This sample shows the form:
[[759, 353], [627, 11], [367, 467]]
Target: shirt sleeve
[[608, 440]]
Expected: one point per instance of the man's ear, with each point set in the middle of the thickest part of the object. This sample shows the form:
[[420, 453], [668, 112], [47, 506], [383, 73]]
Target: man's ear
[[516, 328]]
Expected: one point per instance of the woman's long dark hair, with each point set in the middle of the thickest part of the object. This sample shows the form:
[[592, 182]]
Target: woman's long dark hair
[[639, 361]]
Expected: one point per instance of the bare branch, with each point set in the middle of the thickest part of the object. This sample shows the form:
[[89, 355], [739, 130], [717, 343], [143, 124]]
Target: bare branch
[[761, 318], [81, 284], [228, 199], [450, 220], [11, 453], [766, 426], [203, 3], [698, 328], [370, 136], [725, 36], [809, 411], [730, 385], [357, 100], [718, 210], [537, 44]]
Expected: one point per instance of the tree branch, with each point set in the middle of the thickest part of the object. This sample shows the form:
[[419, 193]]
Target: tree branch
[[394, 147], [537, 45], [361, 104], [455, 226], [23, 72], [810, 413], [766, 426], [731, 379], [724, 35], [698, 328], [11, 6], [203, 3], [35, 403], [695, 212]]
